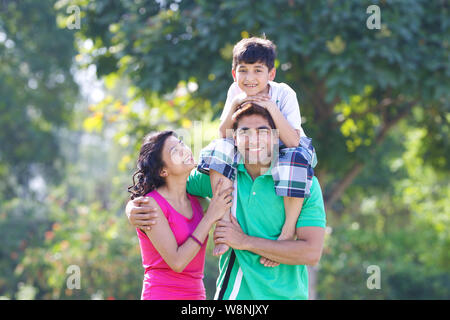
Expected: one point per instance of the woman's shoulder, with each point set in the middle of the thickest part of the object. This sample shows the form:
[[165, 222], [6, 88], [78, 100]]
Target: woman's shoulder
[[151, 196]]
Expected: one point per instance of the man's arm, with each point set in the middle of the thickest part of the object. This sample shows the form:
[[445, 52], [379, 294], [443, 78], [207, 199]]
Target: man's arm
[[306, 250], [143, 215]]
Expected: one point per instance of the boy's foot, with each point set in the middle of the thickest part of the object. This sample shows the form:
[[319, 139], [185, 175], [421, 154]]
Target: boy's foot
[[268, 263], [287, 234], [220, 249]]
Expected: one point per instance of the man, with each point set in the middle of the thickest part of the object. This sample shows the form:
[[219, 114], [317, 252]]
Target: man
[[259, 212]]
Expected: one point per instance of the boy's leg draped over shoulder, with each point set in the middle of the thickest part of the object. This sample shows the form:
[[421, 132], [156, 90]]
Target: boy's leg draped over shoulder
[[219, 155], [292, 174], [293, 170]]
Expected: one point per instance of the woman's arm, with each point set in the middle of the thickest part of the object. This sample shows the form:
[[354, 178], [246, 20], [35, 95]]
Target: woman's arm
[[163, 239]]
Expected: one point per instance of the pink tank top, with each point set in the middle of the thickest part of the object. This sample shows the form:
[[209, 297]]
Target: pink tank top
[[160, 281]]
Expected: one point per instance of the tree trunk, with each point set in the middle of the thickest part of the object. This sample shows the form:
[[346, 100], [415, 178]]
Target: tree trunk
[[343, 184], [347, 180]]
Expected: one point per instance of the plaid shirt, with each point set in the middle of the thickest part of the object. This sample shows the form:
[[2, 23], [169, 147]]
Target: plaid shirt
[[292, 168]]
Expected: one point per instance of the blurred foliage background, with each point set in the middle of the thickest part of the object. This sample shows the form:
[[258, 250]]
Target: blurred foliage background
[[76, 102]]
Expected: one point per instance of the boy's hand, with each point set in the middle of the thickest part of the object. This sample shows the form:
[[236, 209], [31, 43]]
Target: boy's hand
[[266, 103], [243, 97], [237, 101]]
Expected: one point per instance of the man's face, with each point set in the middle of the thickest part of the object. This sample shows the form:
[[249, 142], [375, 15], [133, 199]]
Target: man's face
[[252, 78], [254, 139]]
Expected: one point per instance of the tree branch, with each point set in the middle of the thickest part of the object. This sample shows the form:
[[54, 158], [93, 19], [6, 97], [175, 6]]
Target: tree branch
[[379, 108], [342, 185]]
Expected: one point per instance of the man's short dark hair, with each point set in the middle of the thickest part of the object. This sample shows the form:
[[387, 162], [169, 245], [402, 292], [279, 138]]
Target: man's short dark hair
[[252, 50], [249, 109]]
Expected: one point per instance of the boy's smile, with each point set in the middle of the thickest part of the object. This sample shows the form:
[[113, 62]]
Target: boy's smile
[[252, 78]]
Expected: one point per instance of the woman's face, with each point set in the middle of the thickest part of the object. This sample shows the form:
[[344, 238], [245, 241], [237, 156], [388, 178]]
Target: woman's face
[[177, 157]]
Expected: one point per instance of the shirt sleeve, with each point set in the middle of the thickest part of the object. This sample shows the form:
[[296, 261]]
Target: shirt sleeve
[[313, 210], [230, 95], [290, 108], [198, 184]]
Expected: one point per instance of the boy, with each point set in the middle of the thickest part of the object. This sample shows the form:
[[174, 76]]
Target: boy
[[253, 72]]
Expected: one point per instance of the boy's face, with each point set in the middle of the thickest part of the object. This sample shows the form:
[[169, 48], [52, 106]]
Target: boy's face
[[252, 78]]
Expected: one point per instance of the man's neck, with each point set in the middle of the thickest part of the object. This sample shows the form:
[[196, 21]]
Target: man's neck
[[255, 170]]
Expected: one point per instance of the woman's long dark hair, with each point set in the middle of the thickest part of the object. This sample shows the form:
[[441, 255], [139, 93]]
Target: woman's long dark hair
[[149, 165]]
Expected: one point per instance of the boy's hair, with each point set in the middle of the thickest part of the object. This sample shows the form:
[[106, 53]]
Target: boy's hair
[[252, 50], [249, 109]]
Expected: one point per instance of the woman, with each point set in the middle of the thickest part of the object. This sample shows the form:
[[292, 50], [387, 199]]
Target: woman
[[173, 251]]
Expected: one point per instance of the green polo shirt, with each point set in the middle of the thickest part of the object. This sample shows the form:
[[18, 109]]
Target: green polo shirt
[[260, 213]]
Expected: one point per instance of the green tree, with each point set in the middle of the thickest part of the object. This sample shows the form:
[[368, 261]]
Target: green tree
[[354, 84], [375, 102], [37, 95], [360, 91], [398, 226], [37, 92]]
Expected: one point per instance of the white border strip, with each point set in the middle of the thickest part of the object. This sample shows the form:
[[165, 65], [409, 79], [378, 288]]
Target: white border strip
[[237, 285]]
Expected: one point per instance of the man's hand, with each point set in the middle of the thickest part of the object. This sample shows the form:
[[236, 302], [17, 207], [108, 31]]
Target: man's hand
[[141, 214], [230, 233]]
